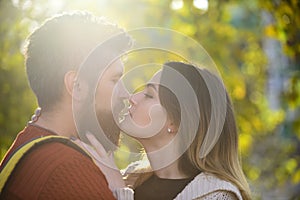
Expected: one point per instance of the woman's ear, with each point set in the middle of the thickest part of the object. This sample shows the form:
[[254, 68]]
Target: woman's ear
[[172, 128], [69, 81]]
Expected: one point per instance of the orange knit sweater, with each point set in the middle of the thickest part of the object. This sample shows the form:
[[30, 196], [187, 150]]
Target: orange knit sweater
[[53, 171]]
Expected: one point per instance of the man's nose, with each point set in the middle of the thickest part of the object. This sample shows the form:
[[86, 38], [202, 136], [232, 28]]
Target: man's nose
[[122, 91]]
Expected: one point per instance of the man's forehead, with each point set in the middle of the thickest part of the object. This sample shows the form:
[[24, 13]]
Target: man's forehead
[[116, 68]]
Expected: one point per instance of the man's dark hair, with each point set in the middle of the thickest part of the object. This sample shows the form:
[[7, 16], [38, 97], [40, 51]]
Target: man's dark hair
[[59, 45]]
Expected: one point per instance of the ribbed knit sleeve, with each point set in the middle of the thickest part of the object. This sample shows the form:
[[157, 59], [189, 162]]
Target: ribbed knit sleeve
[[57, 171], [76, 178]]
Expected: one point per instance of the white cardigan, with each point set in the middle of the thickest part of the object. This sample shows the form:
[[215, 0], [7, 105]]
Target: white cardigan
[[203, 187], [206, 186]]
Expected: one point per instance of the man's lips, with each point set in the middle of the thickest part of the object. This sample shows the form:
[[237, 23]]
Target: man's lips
[[125, 111], [129, 112]]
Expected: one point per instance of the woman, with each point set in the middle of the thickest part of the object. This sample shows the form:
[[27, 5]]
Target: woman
[[218, 165], [184, 119]]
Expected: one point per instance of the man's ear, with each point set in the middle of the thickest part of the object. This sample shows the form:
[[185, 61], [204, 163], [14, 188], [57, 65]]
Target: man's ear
[[69, 81]]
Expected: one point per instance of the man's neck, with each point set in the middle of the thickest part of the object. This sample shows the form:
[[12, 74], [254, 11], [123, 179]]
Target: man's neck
[[58, 122]]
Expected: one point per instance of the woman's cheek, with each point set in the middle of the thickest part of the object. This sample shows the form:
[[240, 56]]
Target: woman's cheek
[[153, 122]]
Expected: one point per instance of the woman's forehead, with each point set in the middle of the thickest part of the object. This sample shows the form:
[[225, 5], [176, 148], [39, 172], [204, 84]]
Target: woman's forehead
[[156, 78]]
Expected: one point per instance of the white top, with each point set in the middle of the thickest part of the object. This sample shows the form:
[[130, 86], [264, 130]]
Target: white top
[[205, 186]]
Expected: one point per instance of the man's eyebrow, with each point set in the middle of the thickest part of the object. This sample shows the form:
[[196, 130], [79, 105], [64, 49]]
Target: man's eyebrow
[[118, 75], [151, 85]]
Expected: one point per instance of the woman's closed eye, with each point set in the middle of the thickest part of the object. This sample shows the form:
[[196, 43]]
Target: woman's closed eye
[[148, 95], [150, 91]]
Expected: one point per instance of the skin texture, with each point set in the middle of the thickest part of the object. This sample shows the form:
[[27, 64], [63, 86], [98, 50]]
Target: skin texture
[[109, 96], [146, 117]]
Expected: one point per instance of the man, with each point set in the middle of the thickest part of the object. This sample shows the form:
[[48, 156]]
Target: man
[[56, 170]]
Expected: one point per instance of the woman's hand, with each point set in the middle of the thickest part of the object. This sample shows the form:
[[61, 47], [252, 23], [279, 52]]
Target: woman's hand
[[105, 162]]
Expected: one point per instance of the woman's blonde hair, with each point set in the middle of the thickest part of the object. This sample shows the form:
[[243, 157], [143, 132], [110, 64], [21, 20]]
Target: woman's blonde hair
[[223, 159]]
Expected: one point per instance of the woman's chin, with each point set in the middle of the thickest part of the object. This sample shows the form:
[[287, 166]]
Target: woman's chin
[[127, 127]]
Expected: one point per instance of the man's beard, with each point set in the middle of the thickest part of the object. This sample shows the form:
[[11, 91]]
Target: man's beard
[[109, 127]]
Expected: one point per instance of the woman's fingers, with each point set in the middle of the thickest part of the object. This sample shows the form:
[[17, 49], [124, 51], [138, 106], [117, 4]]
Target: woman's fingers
[[99, 153], [98, 146], [104, 161]]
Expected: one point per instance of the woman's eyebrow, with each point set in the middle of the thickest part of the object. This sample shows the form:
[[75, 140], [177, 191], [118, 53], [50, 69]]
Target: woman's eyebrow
[[151, 85]]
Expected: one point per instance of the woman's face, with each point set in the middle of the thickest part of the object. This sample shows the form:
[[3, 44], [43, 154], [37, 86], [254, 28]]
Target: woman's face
[[146, 116]]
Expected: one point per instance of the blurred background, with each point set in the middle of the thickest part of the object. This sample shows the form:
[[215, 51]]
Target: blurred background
[[255, 44]]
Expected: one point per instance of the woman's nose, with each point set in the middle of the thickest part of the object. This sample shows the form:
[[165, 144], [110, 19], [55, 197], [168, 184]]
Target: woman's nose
[[135, 98], [132, 101]]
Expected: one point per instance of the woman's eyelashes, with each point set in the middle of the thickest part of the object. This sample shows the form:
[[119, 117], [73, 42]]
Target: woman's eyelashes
[[148, 95]]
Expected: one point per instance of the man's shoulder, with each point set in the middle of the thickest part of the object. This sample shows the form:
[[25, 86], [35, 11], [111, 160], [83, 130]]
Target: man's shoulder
[[51, 152], [57, 169], [46, 145], [59, 151]]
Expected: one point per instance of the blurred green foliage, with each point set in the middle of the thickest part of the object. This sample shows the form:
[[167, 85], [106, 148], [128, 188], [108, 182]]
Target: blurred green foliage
[[233, 32]]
